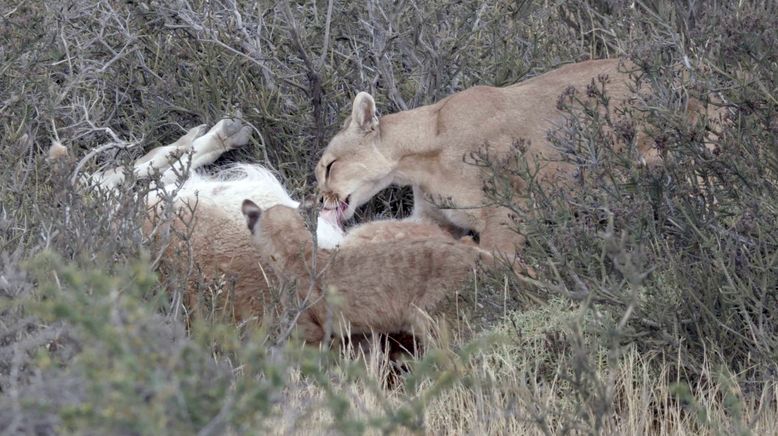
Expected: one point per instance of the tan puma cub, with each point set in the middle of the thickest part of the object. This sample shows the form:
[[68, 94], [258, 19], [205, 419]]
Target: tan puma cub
[[385, 287], [425, 147]]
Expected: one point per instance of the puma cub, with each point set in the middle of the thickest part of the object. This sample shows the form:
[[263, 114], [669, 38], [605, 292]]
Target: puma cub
[[385, 287]]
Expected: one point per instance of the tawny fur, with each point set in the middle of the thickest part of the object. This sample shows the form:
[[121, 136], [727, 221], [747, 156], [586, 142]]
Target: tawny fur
[[425, 147], [385, 287], [220, 257], [388, 230], [220, 251]]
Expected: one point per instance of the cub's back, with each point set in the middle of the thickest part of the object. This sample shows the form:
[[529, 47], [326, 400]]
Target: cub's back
[[404, 268], [392, 230]]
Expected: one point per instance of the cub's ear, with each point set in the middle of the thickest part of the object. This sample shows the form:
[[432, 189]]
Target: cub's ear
[[310, 201], [363, 112], [252, 212]]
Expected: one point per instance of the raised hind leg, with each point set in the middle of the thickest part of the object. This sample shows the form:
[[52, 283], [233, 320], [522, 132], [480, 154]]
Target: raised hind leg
[[160, 158], [225, 135]]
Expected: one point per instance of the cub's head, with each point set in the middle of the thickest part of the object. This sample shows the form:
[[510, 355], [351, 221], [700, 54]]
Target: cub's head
[[352, 168], [273, 228]]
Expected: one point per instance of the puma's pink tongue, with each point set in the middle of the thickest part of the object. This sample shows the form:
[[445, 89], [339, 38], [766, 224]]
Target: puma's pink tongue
[[332, 217]]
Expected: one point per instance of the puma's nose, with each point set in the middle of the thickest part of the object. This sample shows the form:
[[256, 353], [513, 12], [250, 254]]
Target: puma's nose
[[329, 200]]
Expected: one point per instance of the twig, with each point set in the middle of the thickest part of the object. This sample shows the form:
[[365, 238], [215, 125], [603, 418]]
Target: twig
[[98, 150], [327, 25]]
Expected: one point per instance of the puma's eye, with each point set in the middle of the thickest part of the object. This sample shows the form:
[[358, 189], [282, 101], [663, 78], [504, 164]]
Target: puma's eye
[[327, 171]]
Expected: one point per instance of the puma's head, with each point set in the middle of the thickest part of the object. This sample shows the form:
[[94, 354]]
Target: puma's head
[[353, 169]]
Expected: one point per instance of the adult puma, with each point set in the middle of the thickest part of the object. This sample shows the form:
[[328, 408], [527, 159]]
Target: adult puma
[[426, 147], [386, 287]]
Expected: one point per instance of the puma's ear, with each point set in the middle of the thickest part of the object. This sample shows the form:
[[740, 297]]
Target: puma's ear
[[252, 212], [363, 112]]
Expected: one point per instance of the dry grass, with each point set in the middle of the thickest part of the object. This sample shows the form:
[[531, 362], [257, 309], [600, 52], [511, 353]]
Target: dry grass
[[509, 388]]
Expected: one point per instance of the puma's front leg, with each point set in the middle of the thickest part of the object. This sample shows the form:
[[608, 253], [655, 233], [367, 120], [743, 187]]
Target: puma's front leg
[[498, 234], [500, 237], [425, 211], [421, 326]]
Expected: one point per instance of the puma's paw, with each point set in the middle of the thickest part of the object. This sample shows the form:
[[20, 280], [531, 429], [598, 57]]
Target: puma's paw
[[529, 271], [232, 133]]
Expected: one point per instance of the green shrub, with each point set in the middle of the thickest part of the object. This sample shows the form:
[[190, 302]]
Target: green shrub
[[684, 252]]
